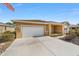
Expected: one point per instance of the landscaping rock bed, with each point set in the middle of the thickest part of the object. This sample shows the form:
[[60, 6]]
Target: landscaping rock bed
[[3, 46], [73, 40]]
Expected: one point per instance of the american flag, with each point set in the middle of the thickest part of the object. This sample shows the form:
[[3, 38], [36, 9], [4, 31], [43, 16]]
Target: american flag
[[8, 5]]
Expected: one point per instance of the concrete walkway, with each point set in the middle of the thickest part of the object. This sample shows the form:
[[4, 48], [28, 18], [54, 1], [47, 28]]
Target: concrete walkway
[[41, 46]]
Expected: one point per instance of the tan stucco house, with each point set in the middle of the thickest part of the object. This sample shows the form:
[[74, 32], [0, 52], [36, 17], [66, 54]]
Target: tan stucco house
[[25, 28]]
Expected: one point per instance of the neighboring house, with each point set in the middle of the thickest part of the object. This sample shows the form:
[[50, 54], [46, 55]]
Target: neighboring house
[[66, 27], [5, 27], [74, 27], [2, 28], [10, 28], [25, 28]]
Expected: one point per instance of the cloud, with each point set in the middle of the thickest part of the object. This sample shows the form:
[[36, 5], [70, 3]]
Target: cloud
[[75, 11], [18, 4]]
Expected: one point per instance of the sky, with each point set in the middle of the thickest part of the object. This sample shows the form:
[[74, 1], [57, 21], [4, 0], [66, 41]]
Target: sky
[[58, 12]]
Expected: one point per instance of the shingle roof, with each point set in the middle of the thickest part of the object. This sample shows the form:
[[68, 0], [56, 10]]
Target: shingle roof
[[39, 21], [33, 20]]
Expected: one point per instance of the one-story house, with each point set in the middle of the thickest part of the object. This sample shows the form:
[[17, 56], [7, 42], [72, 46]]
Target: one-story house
[[72, 27], [25, 28]]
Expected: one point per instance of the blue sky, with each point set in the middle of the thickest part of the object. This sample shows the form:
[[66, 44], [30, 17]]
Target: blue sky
[[43, 11]]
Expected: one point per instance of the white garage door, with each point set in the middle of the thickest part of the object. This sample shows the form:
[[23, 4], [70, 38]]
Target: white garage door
[[32, 31]]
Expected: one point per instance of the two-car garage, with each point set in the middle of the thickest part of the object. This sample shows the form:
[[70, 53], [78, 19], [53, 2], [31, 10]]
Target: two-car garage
[[30, 28], [27, 31]]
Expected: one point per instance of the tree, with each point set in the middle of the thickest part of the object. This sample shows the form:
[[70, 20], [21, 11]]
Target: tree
[[9, 23], [66, 22], [77, 24]]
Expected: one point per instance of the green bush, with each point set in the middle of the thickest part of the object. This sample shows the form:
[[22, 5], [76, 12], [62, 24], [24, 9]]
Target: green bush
[[14, 34], [77, 31], [73, 33], [1, 39], [8, 36]]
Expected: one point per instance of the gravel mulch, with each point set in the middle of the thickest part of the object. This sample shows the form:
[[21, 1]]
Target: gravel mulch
[[4, 46], [74, 40]]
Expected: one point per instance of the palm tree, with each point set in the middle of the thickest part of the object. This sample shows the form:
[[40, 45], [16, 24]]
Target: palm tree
[[8, 6]]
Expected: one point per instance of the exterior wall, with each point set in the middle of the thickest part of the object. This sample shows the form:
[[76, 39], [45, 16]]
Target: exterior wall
[[63, 30], [46, 28], [52, 29], [57, 29], [18, 28], [10, 29]]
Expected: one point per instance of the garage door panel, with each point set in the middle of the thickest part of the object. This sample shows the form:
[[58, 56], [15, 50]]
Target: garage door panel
[[32, 31]]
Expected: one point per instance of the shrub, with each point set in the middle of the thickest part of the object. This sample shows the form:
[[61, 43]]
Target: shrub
[[74, 32], [1, 39], [71, 35], [8, 36], [77, 31], [14, 33]]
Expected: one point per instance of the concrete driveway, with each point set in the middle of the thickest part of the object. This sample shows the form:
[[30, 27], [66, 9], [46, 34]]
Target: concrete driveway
[[41, 46]]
